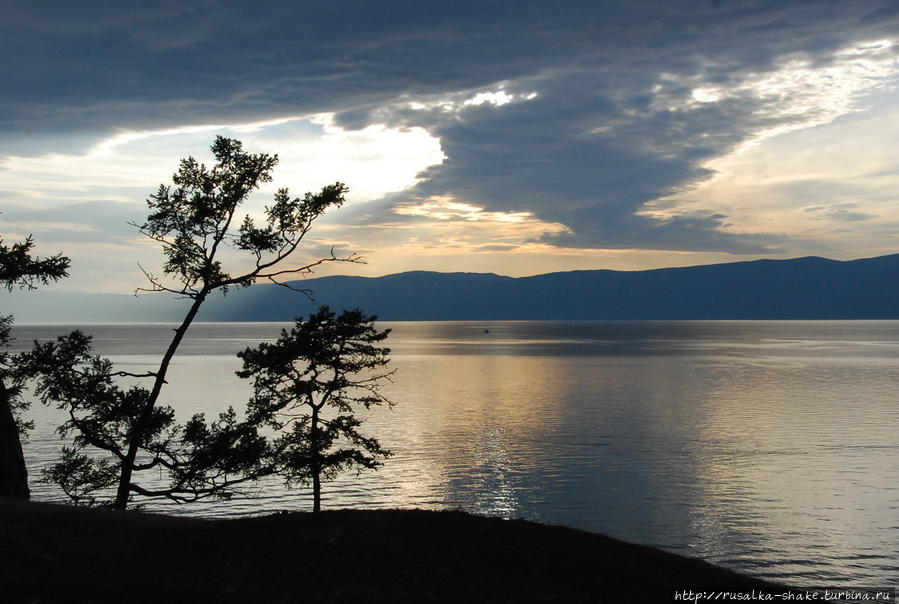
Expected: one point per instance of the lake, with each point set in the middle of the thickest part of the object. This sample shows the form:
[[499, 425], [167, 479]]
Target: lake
[[767, 447]]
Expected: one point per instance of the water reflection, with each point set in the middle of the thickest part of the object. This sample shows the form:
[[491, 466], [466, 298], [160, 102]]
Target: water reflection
[[769, 447], [810, 451]]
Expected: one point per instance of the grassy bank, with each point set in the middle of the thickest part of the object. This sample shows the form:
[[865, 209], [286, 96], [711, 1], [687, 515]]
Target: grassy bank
[[51, 553]]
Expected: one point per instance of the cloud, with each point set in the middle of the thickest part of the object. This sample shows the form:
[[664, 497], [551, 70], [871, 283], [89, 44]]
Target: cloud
[[593, 122], [98, 221], [93, 66], [843, 212], [447, 209], [569, 148], [312, 152], [84, 202], [830, 188]]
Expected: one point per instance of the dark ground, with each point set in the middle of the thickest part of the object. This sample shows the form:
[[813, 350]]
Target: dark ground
[[51, 553]]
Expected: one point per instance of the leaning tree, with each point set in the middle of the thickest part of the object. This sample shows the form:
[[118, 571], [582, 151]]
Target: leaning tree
[[18, 268], [198, 225], [308, 384]]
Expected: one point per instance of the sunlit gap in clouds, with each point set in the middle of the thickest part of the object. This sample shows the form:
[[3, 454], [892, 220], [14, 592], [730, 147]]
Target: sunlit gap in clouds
[[82, 203], [799, 94], [455, 227], [312, 151], [445, 208], [441, 233], [821, 151], [818, 95], [495, 96]]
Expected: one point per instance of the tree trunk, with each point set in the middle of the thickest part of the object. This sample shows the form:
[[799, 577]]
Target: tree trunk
[[316, 464], [316, 492], [13, 475], [137, 434]]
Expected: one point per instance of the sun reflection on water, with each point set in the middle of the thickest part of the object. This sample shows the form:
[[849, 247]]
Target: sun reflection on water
[[767, 447]]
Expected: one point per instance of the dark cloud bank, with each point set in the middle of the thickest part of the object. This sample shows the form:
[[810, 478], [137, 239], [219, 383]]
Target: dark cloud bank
[[601, 118]]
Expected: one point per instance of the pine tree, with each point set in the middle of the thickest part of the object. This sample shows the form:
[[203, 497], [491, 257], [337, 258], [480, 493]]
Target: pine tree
[[309, 384]]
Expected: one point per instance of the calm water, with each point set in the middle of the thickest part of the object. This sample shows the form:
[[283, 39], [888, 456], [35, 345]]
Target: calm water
[[767, 447]]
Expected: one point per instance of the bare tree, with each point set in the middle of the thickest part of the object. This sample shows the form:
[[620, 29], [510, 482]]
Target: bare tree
[[308, 384]]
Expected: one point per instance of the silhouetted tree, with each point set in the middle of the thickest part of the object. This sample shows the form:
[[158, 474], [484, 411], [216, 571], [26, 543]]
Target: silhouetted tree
[[194, 222], [18, 268], [308, 384], [200, 459]]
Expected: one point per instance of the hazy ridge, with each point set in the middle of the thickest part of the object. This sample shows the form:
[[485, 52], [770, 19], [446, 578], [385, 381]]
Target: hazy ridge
[[801, 288]]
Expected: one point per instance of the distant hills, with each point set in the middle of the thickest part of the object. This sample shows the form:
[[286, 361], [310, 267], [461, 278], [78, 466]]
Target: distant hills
[[801, 288]]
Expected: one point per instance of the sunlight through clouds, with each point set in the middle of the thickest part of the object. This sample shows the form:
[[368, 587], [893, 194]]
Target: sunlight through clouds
[[838, 178], [460, 249], [84, 202], [828, 157], [447, 226], [629, 135], [445, 208], [459, 101], [312, 151], [805, 95], [800, 93]]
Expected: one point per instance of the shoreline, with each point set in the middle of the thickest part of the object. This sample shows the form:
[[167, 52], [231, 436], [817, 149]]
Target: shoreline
[[52, 552]]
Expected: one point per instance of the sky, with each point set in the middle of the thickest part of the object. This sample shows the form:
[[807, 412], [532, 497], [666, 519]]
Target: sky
[[515, 137]]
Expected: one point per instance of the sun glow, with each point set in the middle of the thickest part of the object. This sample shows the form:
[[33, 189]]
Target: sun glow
[[312, 151], [445, 208], [459, 101], [819, 164]]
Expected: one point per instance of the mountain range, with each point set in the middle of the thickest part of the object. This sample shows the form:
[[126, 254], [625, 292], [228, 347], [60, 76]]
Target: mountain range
[[801, 288]]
